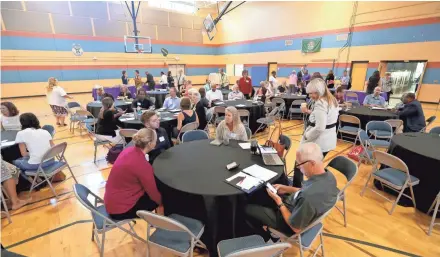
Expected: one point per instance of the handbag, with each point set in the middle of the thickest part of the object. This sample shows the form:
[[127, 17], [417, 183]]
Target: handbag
[[274, 138], [355, 152], [113, 153]]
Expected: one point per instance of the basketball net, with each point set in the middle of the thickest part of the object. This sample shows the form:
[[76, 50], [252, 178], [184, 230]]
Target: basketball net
[[139, 53]]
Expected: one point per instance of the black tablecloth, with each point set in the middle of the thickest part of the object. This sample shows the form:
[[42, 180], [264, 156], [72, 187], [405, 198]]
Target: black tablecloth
[[167, 121], [421, 153], [160, 97], [365, 114], [95, 107], [191, 178], [256, 110], [10, 153]]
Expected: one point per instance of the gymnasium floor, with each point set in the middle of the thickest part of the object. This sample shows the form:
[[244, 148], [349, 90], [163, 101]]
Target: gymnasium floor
[[50, 228]]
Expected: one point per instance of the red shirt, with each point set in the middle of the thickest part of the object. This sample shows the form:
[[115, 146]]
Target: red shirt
[[130, 178], [245, 85]]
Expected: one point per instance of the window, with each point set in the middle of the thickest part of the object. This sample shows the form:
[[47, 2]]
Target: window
[[238, 69], [174, 6]]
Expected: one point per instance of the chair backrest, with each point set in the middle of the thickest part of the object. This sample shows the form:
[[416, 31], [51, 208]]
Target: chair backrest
[[430, 120], [297, 102], [379, 125], [73, 105], [83, 113], [219, 109], [285, 140], [390, 161], [189, 127], [194, 135], [349, 119], [248, 132], [351, 95], [82, 194], [262, 251], [274, 112], [355, 104], [163, 222], [396, 124], [243, 113], [435, 130], [127, 132], [56, 150], [278, 100], [345, 166], [50, 129]]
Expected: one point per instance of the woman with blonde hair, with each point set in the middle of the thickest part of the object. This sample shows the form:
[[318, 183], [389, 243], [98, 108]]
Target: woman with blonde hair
[[56, 96], [231, 127], [321, 125], [131, 185], [107, 122]]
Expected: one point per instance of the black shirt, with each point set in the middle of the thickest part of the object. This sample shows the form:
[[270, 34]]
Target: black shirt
[[162, 144], [108, 124], [330, 77], [128, 94], [124, 80], [201, 113], [150, 80], [145, 104], [170, 80]]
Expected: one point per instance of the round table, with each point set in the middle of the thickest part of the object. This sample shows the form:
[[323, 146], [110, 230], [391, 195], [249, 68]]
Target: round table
[[366, 114], [420, 152], [191, 178], [95, 107], [256, 110], [168, 121], [160, 97], [11, 152]]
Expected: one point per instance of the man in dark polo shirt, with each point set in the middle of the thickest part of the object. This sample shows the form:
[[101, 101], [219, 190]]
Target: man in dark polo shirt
[[296, 208]]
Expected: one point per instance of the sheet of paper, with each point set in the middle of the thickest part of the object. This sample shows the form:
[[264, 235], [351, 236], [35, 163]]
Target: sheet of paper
[[126, 119], [219, 103], [246, 183], [175, 110], [260, 172], [378, 108], [8, 143], [245, 145], [240, 105]]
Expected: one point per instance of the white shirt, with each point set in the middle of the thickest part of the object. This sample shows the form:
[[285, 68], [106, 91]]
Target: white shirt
[[11, 123], [181, 79], [235, 95], [274, 81], [217, 95], [163, 79], [37, 142], [56, 96]]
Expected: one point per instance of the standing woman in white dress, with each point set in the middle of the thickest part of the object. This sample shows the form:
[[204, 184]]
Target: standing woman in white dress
[[56, 96], [321, 126]]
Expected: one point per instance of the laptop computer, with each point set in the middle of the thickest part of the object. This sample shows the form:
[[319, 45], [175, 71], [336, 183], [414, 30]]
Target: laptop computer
[[270, 156]]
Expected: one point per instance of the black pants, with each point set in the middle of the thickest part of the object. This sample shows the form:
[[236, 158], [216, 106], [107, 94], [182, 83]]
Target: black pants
[[298, 176], [247, 96], [164, 86], [388, 96], [143, 204]]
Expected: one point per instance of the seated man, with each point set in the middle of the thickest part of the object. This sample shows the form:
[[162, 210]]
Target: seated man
[[293, 209], [375, 99], [214, 94], [141, 100], [172, 102], [235, 94], [412, 114], [339, 95]]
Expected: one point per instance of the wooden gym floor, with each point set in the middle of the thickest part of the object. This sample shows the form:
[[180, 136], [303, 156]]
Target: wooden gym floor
[[53, 228]]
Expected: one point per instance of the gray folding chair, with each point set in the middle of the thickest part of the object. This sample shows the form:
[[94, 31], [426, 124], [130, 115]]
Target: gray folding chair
[[281, 104], [429, 121], [216, 118], [347, 129], [102, 222], [56, 152], [307, 236], [396, 124], [173, 234], [250, 246], [268, 120], [295, 110], [187, 127], [153, 101], [351, 97], [396, 177], [244, 113], [127, 133], [248, 132], [194, 135], [5, 207], [85, 118], [50, 129], [435, 130], [96, 141], [75, 117], [434, 206], [349, 169], [367, 153], [380, 129]]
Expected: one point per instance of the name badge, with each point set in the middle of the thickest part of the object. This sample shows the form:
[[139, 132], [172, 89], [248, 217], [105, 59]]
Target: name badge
[[161, 139], [232, 135], [147, 157], [247, 81]]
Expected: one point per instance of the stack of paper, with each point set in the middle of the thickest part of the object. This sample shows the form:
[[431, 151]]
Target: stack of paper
[[260, 172], [6, 143], [244, 181], [240, 105], [245, 145], [126, 119]]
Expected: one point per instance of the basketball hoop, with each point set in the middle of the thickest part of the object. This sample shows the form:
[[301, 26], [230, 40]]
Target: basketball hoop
[[140, 51]]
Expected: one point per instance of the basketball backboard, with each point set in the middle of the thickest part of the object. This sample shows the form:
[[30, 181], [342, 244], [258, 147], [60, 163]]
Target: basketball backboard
[[137, 44]]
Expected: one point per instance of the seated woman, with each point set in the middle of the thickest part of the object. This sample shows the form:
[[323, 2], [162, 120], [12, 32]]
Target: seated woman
[[235, 94], [231, 127], [200, 110], [339, 95], [33, 139], [107, 95], [261, 93], [99, 93], [152, 121], [141, 100], [107, 122], [186, 87], [282, 87], [9, 177], [186, 116], [131, 185], [10, 119], [125, 93]]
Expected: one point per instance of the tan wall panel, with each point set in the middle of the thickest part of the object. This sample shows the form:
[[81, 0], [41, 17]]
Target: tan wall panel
[[169, 33], [146, 30], [26, 21], [181, 20], [153, 16], [190, 35], [429, 93]]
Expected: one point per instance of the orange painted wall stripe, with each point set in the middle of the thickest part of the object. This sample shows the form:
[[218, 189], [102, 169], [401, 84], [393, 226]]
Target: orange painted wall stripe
[[433, 65], [89, 67]]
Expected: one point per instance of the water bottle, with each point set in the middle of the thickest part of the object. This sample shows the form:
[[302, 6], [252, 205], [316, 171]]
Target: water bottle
[[138, 110]]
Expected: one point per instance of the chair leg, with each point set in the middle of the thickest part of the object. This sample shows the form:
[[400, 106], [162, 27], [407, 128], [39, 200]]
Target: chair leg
[[322, 244], [33, 184], [94, 156], [397, 199], [101, 251], [412, 196], [434, 215], [6, 209], [366, 184], [71, 172], [344, 208]]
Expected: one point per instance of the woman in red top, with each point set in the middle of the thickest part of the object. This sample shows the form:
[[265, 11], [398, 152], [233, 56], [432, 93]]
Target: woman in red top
[[245, 84], [131, 186]]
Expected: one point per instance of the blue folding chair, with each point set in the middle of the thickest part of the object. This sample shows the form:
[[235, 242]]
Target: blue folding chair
[[50, 129], [367, 153], [435, 130], [250, 246], [194, 135], [380, 129], [348, 129]]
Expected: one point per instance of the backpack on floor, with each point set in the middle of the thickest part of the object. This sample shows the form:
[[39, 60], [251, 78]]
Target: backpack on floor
[[113, 153]]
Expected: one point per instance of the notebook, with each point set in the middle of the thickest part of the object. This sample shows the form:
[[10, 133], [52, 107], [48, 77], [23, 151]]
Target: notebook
[[251, 178]]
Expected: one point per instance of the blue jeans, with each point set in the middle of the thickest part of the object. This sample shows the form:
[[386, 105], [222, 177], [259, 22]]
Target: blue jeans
[[23, 164]]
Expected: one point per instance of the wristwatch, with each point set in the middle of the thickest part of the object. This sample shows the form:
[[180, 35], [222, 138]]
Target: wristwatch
[[281, 205]]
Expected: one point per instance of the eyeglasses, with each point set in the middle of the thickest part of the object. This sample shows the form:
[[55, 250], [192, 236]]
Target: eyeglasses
[[297, 165]]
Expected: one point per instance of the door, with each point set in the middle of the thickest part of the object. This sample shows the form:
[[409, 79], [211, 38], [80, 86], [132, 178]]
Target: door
[[272, 66], [358, 74]]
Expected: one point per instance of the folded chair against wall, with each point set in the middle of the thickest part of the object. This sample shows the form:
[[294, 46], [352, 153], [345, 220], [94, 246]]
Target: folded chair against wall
[[173, 234], [349, 169], [395, 177], [46, 174], [250, 246], [102, 222]]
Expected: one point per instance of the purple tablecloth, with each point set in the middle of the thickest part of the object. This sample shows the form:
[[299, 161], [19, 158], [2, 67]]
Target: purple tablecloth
[[114, 91], [361, 95]]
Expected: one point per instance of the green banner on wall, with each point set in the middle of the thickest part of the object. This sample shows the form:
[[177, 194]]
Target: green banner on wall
[[311, 45]]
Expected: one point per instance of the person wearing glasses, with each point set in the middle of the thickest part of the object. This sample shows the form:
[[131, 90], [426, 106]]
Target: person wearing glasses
[[163, 142], [292, 209]]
